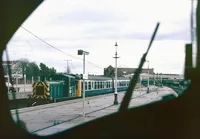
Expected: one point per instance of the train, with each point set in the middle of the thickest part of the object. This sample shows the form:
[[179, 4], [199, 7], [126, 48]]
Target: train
[[166, 82], [68, 86]]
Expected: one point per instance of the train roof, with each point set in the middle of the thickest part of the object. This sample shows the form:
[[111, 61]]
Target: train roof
[[65, 75], [92, 77], [98, 77], [101, 77]]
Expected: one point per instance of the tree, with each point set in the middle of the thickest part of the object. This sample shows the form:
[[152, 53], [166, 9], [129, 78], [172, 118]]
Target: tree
[[44, 70], [32, 70], [52, 71], [21, 66]]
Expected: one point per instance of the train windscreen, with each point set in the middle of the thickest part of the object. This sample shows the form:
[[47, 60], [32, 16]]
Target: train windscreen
[[39, 90], [104, 42]]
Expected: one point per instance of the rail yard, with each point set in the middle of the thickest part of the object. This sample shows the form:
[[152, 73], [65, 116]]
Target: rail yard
[[52, 118]]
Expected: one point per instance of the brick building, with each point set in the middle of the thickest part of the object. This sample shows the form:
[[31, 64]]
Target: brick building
[[110, 71]]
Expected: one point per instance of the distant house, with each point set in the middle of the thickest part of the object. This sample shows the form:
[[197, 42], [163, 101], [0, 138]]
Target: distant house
[[5, 65], [110, 71]]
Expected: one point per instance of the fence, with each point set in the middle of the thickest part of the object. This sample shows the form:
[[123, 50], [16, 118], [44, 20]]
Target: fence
[[22, 81]]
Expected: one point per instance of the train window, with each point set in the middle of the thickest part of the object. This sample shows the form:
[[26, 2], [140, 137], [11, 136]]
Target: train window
[[86, 85], [39, 90], [95, 85], [89, 85], [71, 81], [92, 85], [100, 85]]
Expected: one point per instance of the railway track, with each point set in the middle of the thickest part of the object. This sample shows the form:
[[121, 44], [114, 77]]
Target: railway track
[[178, 90], [76, 100], [137, 95], [87, 114], [22, 102]]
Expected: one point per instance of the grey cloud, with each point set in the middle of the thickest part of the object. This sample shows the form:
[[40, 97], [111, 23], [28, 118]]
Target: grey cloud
[[182, 35], [85, 15]]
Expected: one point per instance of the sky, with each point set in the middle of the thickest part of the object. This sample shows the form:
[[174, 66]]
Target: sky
[[96, 25]]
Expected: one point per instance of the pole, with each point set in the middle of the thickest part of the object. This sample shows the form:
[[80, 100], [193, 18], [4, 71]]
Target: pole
[[24, 83], [83, 86], [68, 69], [17, 83], [116, 73], [116, 100]]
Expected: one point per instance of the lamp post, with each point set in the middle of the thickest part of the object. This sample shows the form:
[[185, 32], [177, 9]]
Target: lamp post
[[115, 95], [81, 52]]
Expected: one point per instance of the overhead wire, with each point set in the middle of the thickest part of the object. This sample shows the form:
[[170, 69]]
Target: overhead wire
[[59, 49]]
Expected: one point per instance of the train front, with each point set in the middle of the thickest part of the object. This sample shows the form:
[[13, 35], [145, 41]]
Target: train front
[[41, 94]]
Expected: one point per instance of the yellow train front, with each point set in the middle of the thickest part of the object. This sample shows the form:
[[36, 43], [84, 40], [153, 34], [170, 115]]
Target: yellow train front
[[60, 87]]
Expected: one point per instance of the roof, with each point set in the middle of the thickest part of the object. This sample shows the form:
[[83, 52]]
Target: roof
[[65, 75], [54, 82], [9, 62], [101, 77], [98, 77]]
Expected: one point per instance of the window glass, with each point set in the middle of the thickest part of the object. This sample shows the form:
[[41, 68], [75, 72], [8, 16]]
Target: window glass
[[82, 36]]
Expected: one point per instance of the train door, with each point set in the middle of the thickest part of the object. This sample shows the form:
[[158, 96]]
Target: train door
[[78, 88], [72, 87], [66, 86]]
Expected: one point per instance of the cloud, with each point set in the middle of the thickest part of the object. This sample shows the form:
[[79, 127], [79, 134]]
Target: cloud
[[83, 16], [95, 26]]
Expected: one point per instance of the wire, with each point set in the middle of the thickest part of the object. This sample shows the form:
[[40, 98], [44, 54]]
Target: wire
[[58, 49]]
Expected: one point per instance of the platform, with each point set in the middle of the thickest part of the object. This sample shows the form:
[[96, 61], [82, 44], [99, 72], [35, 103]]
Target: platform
[[52, 118]]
